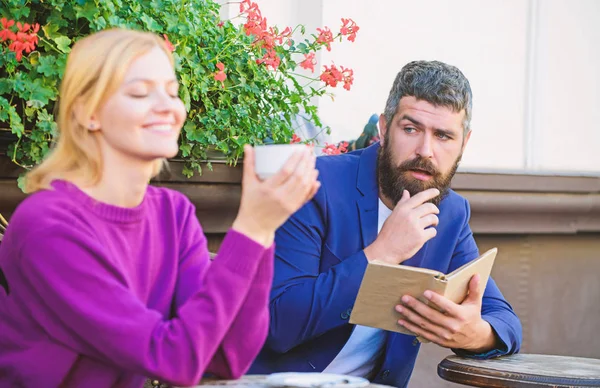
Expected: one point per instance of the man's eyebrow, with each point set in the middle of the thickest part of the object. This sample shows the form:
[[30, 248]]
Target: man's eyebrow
[[447, 132], [412, 120]]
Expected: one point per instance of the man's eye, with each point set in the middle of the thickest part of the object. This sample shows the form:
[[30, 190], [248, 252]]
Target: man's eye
[[442, 136], [409, 129]]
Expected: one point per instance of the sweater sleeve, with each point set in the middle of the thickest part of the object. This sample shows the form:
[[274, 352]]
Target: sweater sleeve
[[248, 331], [82, 300]]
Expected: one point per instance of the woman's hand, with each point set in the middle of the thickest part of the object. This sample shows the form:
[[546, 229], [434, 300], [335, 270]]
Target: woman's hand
[[267, 204]]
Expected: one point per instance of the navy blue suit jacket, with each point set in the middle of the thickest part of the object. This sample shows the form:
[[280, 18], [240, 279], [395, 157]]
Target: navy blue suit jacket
[[320, 263]]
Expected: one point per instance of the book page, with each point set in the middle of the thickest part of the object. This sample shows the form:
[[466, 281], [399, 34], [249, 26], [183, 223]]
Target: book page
[[458, 280], [382, 288]]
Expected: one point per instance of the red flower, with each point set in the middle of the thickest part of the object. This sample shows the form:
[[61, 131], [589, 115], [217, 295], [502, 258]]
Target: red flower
[[325, 37], [7, 23], [332, 149], [255, 24], [331, 76], [309, 62], [266, 38], [349, 28], [347, 77], [248, 6], [23, 40], [270, 59], [221, 24], [5, 33], [220, 75], [295, 139], [170, 46]]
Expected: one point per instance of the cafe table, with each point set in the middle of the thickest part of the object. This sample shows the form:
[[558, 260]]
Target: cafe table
[[258, 381], [522, 370], [248, 381]]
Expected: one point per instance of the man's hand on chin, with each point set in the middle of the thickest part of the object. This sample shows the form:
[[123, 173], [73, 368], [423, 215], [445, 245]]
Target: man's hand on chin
[[457, 326]]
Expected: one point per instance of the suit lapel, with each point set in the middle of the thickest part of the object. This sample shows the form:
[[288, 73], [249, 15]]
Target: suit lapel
[[368, 199]]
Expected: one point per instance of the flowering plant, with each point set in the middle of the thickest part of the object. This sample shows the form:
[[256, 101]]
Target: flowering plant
[[240, 82]]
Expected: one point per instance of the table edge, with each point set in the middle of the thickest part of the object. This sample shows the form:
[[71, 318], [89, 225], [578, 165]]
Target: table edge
[[455, 372]]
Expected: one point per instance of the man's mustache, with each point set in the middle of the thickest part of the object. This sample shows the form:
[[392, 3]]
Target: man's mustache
[[419, 163]]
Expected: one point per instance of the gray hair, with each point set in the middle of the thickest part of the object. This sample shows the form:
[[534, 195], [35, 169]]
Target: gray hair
[[436, 82]]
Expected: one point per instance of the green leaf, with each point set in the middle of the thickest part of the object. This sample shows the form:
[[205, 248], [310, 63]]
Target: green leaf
[[63, 43], [303, 48], [101, 23], [47, 66], [87, 10], [185, 97], [187, 171], [9, 113], [185, 149], [150, 23], [5, 86], [21, 182]]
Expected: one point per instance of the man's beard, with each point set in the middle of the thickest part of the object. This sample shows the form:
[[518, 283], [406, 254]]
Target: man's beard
[[393, 180]]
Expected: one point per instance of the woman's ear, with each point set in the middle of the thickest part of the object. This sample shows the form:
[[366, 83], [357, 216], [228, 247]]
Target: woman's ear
[[87, 121]]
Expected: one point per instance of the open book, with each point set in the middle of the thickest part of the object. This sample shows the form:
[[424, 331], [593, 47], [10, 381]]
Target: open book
[[383, 286]]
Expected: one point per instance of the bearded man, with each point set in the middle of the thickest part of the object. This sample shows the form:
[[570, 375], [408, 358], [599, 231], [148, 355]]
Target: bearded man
[[389, 202]]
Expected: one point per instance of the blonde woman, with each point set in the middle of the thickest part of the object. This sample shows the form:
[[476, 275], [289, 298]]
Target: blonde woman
[[109, 279]]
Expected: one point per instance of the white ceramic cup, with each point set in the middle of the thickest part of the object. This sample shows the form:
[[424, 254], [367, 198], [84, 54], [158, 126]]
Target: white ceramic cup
[[268, 159]]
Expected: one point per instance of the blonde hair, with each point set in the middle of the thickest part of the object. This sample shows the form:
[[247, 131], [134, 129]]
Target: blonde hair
[[95, 70]]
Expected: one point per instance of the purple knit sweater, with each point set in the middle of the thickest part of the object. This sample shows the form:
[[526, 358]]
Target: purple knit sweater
[[104, 296]]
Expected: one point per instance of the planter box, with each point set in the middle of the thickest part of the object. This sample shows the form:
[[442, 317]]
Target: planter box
[[216, 194]]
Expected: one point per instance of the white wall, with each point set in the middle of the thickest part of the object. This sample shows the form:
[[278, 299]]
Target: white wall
[[566, 124], [533, 66]]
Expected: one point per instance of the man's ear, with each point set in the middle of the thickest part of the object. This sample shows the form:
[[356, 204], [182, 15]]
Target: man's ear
[[90, 122], [382, 128], [466, 140]]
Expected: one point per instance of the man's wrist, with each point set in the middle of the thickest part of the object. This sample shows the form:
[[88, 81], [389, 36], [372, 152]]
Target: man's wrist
[[373, 253], [487, 339]]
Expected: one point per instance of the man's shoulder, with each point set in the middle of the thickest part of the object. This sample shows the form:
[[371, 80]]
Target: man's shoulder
[[336, 166], [454, 206], [341, 162]]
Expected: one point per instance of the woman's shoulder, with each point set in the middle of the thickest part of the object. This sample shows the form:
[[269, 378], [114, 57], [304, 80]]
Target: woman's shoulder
[[43, 208]]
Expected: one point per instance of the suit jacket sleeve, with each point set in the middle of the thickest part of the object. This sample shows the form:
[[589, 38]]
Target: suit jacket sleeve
[[495, 309], [304, 302]]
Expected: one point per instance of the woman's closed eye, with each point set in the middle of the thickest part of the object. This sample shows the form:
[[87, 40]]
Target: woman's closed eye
[[138, 92]]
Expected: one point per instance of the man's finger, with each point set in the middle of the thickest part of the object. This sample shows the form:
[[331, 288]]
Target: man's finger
[[428, 312], [444, 304], [422, 197], [430, 220], [425, 209], [432, 320], [475, 291], [405, 197], [422, 333], [429, 233]]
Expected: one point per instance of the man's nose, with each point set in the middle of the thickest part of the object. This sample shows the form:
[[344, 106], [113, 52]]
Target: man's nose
[[425, 149]]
